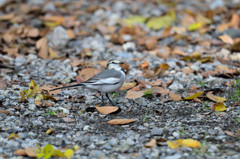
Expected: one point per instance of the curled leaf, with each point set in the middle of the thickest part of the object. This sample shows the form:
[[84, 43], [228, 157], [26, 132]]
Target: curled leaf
[[218, 107]]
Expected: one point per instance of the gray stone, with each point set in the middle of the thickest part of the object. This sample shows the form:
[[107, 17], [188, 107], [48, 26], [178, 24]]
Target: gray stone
[[59, 37], [176, 86], [157, 131]]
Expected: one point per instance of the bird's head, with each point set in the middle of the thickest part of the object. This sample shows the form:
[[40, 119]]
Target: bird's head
[[114, 64]]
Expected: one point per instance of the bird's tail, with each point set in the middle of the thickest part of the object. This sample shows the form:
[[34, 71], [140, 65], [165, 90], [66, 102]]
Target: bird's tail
[[67, 87]]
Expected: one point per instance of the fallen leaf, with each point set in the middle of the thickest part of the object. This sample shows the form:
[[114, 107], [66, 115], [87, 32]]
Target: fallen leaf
[[187, 70], [191, 143], [151, 43], [134, 20], [13, 136], [134, 94], [107, 109], [233, 134], [174, 144], [42, 46], [33, 32], [31, 152], [174, 96], [68, 153], [194, 26], [6, 17], [152, 143], [157, 23], [234, 21], [218, 107], [193, 96], [144, 65], [4, 111], [120, 121], [68, 120], [160, 90], [50, 130], [127, 86], [215, 98], [164, 66], [20, 152], [226, 39]]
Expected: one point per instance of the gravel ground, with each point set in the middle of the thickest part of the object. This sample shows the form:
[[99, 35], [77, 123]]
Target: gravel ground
[[157, 116]]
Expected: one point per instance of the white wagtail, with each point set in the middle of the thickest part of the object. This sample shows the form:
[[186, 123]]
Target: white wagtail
[[107, 81]]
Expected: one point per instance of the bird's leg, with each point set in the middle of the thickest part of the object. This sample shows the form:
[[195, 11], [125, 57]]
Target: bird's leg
[[102, 100], [110, 100]]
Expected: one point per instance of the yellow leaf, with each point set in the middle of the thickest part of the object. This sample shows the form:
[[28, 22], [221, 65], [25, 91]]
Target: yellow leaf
[[164, 66], [174, 144], [191, 143], [48, 151], [194, 26], [33, 89], [157, 23], [215, 98], [219, 107], [68, 153], [50, 130], [13, 136], [58, 153], [194, 96], [134, 20]]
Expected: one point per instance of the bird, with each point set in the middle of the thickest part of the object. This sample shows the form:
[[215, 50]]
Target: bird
[[107, 81]]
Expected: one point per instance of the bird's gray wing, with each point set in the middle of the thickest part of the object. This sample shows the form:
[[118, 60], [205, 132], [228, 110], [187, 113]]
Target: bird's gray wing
[[105, 77]]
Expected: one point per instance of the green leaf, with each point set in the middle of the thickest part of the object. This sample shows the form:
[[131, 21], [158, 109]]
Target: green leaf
[[149, 92], [157, 23], [194, 26], [134, 20], [68, 153]]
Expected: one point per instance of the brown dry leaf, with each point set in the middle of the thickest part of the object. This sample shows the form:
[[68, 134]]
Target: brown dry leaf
[[33, 32], [42, 46], [164, 66], [187, 70], [11, 51], [174, 96], [223, 27], [52, 54], [151, 43], [127, 86], [22, 99], [233, 134], [68, 120], [152, 143], [9, 37], [158, 82], [144, 65], [226, 39], [4, 111], [87, 73], [206, 74], [31, 152], [160, 90], [162, 52], [148, 73], [120, 121], [3, 83], [107, 109], [234, 21], [134, 94], [178, 52], [20, 152], [6, 17]]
